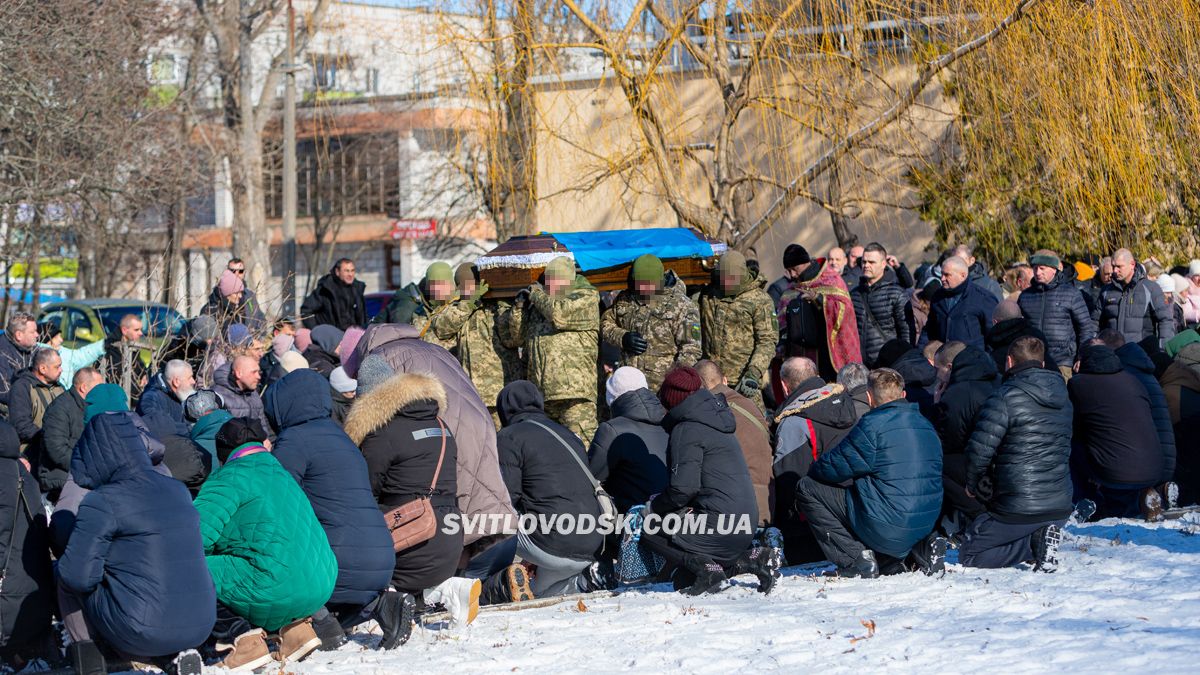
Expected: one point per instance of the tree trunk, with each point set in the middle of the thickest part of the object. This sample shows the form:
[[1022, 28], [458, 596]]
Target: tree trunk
[[250, 234], [841, 225], [522, 133]]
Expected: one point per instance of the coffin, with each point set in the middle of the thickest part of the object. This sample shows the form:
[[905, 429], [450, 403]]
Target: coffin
[[603, 257]]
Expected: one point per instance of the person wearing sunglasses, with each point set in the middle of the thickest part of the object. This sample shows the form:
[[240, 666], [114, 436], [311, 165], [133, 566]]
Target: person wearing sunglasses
[[233, 301]]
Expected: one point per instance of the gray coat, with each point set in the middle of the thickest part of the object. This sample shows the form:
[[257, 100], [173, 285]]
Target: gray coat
[[239, 403], [1137, 310]]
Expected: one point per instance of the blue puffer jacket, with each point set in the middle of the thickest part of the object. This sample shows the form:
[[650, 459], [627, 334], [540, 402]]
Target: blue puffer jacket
[[894, 457], [135, 555], [1137, 363], [963, 313], [333, 473]]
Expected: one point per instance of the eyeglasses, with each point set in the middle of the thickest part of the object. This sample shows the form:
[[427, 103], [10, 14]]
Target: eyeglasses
[[240, 270]]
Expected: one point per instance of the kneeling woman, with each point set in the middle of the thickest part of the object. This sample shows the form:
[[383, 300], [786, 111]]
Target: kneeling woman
[[410, 454]]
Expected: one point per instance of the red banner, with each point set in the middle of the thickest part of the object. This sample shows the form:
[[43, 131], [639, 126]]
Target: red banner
[[414, 229]]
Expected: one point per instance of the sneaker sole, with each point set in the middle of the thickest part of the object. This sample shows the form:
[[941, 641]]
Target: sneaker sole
[[189, 664], [518, 585], [303, 650], [476, 590], [1048, 561], [260, 662]]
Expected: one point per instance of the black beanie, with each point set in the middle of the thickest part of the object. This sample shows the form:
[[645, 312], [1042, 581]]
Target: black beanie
[[795, 254], [237, 432], [891, 352]]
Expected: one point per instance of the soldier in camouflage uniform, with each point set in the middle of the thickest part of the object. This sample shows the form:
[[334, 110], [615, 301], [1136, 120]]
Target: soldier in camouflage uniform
[[482, 333], [439, 284], [561, 329], [738, 323], [653, 322]]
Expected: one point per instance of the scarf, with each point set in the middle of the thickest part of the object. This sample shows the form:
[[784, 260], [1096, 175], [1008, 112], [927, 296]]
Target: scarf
[[841, 328]]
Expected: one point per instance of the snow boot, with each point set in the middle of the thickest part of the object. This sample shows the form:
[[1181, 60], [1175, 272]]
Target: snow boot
[[185, 663], [599, 576], [929, 555], [330, 631], [460, 597], [708, 576], [864, 567], [1044, 543], [395, 613], [250, 652], [763, 563], [1084, 510], [1150, 503], [1170, 493], [86, 659], [297, 640]]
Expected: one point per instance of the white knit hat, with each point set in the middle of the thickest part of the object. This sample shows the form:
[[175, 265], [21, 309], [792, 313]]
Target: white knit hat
[[625, 379], [341, 382], [1194, 268], [1166, 283]]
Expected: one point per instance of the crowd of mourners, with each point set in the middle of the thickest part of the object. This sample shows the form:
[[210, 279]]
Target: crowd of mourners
[[248, 492]]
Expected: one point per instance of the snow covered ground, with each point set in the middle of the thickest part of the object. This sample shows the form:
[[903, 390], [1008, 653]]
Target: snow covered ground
[[1126, 598]]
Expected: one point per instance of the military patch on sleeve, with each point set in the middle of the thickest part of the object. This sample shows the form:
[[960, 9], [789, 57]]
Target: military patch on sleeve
[[696, 330]]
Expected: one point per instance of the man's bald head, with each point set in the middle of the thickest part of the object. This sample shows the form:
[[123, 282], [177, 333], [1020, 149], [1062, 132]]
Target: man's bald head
[[954, 271], [710, 374], [245, 372], [1007, 309], [795, 371]]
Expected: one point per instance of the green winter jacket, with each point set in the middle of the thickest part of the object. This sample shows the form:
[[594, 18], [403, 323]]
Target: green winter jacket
[[562, 340], [268, 555]]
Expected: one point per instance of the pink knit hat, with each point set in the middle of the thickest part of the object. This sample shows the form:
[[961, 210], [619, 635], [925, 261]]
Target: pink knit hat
[[230, 284], [281, 344], [349, 341], [303, 339]]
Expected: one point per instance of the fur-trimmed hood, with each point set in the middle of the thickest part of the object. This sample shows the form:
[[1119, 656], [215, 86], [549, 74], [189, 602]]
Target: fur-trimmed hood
[[376, 408], [809, 399]]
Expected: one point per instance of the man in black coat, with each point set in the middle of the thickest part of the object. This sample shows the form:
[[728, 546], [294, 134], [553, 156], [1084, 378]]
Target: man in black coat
[[1133, 304], [165, 393], [970, 383], [628, 454], [978, 272], [122, 364], [1007, 325], [879, 304], [16, 351], [33, 391], [1056, 307], [960, 310], [63, 424], [543, 479], [1117, 456], [1137, 362], [920, 377], [1018, 466], [28, 601], [709, 478], [337, 300]]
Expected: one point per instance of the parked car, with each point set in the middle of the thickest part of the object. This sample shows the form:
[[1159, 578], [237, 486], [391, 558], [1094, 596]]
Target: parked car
[[84, 321]]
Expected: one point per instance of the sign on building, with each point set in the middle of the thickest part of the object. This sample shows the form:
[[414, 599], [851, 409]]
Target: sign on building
[[414, 229]]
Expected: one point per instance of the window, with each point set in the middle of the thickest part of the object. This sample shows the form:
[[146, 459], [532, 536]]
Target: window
[[77, 320], [162, 321], [372, 81], [52, 318], [164, 70], [326, 67]]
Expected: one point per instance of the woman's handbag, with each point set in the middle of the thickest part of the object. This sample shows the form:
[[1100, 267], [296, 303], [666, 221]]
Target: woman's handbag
[[416, 522]]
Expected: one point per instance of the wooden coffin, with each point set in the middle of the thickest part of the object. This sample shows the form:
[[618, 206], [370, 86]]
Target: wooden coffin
[[507, 281]]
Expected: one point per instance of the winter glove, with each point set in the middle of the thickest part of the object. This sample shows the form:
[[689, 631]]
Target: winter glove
[[748, 387], [634, 343], [522, 297]]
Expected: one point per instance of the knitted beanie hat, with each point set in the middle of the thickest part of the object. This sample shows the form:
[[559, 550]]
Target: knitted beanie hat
[[679, 384]]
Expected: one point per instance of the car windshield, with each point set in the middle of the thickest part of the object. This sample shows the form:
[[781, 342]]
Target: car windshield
[[157, 321]]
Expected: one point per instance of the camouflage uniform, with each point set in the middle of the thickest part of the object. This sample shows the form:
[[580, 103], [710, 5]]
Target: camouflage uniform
[[740, 332], [423, 320], [484, 342], [562, 346], [670, 322]]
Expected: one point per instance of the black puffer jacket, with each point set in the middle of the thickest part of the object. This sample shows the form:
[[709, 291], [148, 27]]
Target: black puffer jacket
[[1022, 443], [920, 379], [542, 478], [1137, 310], [396, 425], [1058, 310], [63, 424], [1114, 428], [629, 452], [1138, 363], [13, 359], [335, 303], [28, 598], [1001, 336], [188, 462], [708, 475], [879, 309], [973, 378]]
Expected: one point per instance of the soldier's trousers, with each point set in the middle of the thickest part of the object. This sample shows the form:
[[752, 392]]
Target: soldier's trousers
[[576, 414]]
